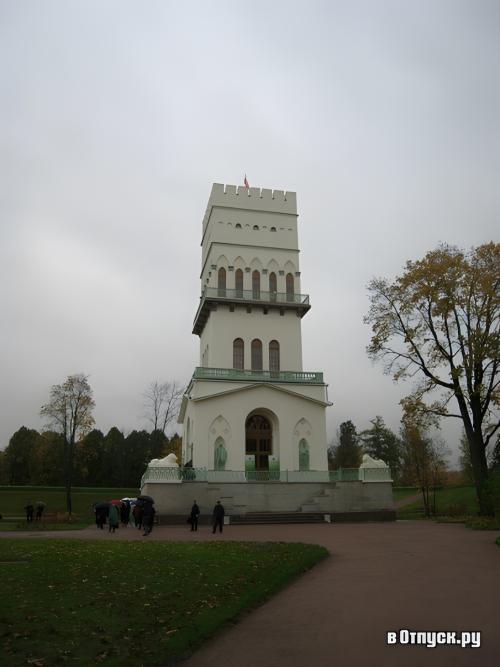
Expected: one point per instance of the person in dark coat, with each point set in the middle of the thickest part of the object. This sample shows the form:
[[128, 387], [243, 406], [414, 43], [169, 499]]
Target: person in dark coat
[[113, 518], [218, 517], [101, 513], [148, 518], [125, 512], [195, 513], [29, 509], [137, 513]]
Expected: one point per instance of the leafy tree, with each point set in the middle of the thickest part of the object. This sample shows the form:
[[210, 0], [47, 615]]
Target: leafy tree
[[158, 443], [48, 460], [382, 443], [89, 459], [347, 454], [424, 462], [69, 412], [112, 462], [19, 456], [137, 453], [439, 321], [162, 401], [175, 446]]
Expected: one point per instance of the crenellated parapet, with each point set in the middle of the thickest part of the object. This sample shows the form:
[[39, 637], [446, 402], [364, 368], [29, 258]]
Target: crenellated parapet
[[255, 199]]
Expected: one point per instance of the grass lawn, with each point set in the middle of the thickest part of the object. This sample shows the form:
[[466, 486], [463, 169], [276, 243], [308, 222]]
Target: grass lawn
[[454, 500], [128, 603], [14, 498], [403, 492]]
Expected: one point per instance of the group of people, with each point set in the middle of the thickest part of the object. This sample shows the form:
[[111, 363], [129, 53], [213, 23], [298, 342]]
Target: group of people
[[217, 516], [31, 508], [114, 512]]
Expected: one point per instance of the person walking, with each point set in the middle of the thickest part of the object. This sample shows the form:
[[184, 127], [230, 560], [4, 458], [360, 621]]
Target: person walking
[[218, 517], [40, 506], [148, 518], [113, 518], [29, 509], [195, 513], [101, 512], [137, 513], [125, 512]]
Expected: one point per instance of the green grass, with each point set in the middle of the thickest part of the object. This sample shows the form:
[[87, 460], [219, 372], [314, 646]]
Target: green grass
[[13, 525], [458, 500], [14, 498], [131, 603], [400, 492]]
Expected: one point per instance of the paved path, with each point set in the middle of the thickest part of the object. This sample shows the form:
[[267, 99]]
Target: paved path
[[379, 577]]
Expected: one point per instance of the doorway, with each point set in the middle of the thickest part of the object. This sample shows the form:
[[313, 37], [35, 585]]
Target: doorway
[[259, 440]]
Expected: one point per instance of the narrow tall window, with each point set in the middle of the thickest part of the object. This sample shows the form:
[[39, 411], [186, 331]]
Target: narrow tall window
[[238, 354], [238, 283], [256, 355], [221, 281], [256, 285], [274, 356], [273, 286], [289, 287]]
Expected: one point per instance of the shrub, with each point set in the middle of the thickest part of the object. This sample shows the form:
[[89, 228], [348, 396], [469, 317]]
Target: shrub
[[482, 523], [455, 509]]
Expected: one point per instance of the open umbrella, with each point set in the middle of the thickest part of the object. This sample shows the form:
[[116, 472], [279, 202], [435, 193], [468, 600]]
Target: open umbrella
[[115, 502], [145, 499], [101, 506]]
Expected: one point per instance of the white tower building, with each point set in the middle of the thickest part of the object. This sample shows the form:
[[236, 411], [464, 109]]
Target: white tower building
[[250, 406]]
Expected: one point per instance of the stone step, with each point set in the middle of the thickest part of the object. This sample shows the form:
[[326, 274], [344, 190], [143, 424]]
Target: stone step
[[278, 517]]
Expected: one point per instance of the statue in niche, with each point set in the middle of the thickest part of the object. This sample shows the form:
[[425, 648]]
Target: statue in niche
[[303, 455], [220, 455]]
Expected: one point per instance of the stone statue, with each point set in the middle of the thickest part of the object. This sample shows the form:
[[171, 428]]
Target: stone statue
[[369, 462], [169, 461], [303, 455], [220, 456]]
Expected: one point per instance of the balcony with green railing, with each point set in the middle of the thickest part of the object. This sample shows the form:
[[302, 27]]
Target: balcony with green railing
[[253, 297], [237, 375], [158, 474]]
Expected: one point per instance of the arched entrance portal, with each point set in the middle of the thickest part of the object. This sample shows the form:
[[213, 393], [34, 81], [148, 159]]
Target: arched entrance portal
[[259, 440]]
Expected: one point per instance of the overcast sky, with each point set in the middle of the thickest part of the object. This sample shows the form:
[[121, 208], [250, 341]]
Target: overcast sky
[[117, 116]]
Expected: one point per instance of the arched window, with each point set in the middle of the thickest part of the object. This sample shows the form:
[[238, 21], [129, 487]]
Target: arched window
[[256, 285], [273, 229], [256, 355], [238, 354], [238, 282], [221, 281], [256, 227], [273, 285], [274, 356], [237, 225], [289, 287]]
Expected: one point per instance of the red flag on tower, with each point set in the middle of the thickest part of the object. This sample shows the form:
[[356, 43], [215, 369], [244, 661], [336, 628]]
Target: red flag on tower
[[245, 182]]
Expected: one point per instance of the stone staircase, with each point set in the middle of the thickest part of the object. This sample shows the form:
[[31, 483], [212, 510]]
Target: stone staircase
[[278, 517]]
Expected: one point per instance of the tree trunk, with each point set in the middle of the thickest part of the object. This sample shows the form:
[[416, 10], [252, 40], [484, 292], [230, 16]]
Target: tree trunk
[[69, 474], [480, 471]]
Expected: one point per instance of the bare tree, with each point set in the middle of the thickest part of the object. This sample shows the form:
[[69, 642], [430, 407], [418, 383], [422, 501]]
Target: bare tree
[[69, 412], [162, 401]]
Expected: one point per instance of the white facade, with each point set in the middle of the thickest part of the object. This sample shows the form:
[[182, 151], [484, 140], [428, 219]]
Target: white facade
[[250, 405]]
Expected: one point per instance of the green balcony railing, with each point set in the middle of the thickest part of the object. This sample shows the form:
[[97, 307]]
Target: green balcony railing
[[299, 377], [255, 295], [158, 474]]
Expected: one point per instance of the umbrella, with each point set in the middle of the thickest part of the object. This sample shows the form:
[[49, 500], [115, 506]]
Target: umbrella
[[40, 503], [101, 506], [146, 499], [115, 502]]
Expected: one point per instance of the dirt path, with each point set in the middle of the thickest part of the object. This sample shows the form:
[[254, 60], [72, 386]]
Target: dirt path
[[408, 500]]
